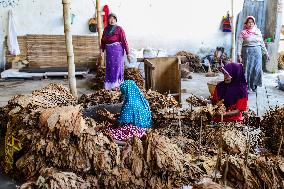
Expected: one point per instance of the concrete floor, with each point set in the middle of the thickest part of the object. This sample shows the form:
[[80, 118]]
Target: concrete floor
[[197, 86], [7, 183]]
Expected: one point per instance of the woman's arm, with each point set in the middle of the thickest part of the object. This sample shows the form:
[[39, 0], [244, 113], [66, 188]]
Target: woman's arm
[[232, 113], [240, 107], [240, 46], [263, 47], [103, 43], [124, 41]]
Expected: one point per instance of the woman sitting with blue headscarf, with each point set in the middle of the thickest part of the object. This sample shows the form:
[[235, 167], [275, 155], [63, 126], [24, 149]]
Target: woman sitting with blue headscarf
[[135, 116]]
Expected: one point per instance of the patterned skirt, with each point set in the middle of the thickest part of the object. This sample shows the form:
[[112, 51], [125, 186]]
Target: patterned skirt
[[252, 58], [125, 132], [114, 65]]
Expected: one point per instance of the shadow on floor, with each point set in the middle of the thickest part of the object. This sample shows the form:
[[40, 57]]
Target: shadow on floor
[[7, 183]]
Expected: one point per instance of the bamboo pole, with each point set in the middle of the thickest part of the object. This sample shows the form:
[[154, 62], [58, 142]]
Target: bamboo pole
[[226, 171], [200, 137], [281, 142], [69, 47], [233, 55], [100, 30]]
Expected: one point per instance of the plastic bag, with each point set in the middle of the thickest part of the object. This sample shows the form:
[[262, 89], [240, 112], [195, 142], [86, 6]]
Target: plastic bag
[[132, 63]]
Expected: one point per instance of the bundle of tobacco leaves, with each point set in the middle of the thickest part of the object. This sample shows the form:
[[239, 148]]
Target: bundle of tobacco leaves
[[101, 96], [192, 60], [159, 102], [97, 82], [272, 125], [135, 75]]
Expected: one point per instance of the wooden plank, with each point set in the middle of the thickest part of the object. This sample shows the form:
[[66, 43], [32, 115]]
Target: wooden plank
[[165, 77], [50, 50]]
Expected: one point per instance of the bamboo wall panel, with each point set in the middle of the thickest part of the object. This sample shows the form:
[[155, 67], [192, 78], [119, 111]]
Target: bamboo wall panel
[[50, 50], [23, 49]]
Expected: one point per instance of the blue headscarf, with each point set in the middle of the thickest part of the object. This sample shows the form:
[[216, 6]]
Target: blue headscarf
[[135, 108]]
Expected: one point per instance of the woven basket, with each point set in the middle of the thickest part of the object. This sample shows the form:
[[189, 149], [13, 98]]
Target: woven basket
[[211, 88], [281, 60]]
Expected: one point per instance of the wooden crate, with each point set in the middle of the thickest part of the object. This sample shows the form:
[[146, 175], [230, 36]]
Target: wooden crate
[[162, 74]]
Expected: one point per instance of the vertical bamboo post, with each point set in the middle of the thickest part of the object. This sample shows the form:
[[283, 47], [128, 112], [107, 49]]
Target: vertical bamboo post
[[226, 171], [69, 47], [281, 142], [100, 30], [179, 122], [200, 137], [233, 55]]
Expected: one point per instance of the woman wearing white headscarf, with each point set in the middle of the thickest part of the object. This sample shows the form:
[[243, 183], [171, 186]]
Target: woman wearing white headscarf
[[251, 47]]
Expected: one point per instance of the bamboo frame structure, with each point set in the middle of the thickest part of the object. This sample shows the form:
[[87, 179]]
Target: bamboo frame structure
[[100, 30], [233, 55], [69, 47]]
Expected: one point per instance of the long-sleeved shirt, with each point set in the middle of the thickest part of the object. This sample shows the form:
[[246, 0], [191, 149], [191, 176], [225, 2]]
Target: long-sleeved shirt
[[117, 36], [241, 105], [251, 41]]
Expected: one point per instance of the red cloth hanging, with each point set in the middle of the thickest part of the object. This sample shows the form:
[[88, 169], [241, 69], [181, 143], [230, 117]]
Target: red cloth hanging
[[105, 17]]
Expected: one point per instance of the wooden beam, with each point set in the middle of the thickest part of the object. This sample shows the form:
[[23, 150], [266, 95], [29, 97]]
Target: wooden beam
[[69, 47], [100, 30], [233, 54]]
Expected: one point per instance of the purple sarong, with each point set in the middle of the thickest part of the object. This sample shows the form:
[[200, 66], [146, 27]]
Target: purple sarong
[[114, 65]]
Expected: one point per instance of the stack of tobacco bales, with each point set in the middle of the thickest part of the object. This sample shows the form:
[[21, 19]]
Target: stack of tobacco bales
[[49, 144]]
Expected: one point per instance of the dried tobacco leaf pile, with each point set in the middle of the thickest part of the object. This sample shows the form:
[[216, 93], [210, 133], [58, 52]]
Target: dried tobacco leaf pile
[[195, 101], [135, 75], [192, 60], [22, 112], [159, 102], [160, 161], [101, 96], [97, 82], [272, 125], [59, 149], [261, 172], [54, 146]]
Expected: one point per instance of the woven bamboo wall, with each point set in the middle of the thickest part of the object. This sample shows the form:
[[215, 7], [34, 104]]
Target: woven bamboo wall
[[50, 50], [23, 48]]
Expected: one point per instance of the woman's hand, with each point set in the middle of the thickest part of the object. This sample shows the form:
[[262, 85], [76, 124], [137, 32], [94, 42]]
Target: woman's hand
[[240, 60], [205, 101]]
